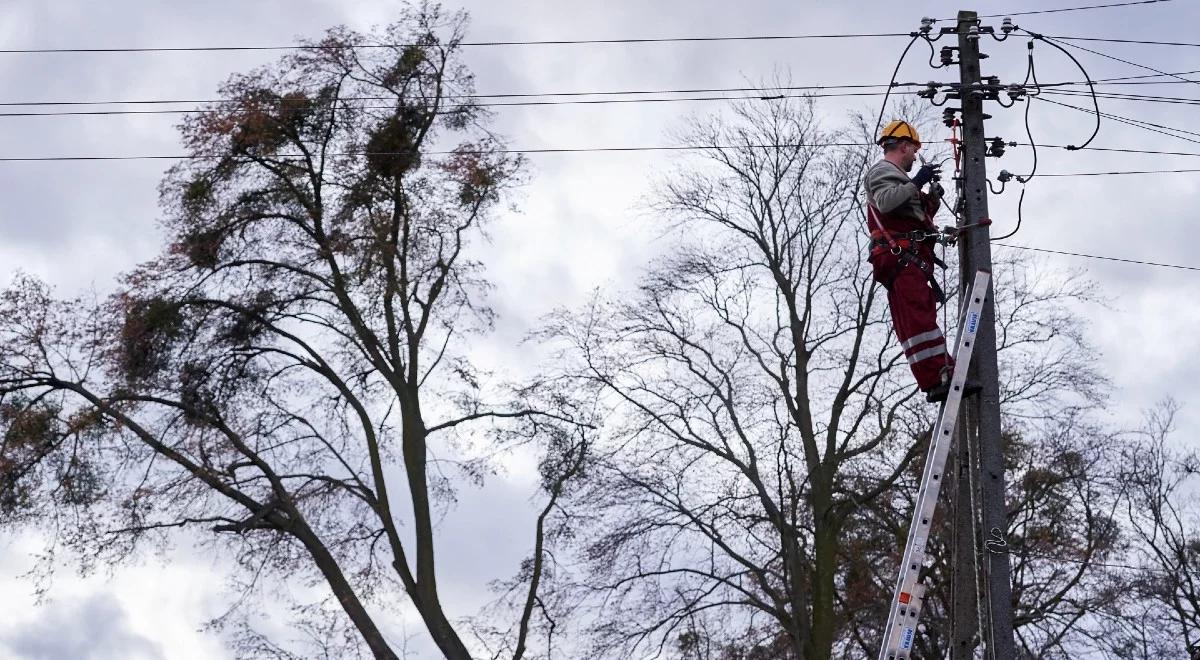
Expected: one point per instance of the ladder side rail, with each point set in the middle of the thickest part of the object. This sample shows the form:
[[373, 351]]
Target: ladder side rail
[[905, 607]]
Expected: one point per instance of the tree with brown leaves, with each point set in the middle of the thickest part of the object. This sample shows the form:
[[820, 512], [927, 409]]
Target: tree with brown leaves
[[282, 374]]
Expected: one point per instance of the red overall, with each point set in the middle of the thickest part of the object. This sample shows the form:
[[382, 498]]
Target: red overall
[[910, 296]]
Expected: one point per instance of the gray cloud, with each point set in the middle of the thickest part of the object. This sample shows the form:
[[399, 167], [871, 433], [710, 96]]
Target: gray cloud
[[95, 628], [78, 224]]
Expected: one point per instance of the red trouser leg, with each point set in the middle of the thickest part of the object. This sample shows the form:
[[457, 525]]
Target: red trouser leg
[[914, 316]]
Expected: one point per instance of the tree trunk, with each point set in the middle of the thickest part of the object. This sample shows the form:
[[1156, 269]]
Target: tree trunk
[[825, 544]]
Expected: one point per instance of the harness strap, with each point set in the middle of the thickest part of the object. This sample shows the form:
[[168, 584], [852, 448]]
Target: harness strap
[[908, 257]]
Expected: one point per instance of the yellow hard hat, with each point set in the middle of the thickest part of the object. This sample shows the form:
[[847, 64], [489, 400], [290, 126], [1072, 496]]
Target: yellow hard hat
[[899, 130]]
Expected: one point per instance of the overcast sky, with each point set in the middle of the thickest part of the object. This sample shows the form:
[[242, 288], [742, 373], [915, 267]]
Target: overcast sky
[[580, 226]]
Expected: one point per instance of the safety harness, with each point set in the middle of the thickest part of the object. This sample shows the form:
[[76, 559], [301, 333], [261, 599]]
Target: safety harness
[[902, 245]]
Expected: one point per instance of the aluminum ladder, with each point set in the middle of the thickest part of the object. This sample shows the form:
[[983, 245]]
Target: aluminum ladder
[[905, 609]]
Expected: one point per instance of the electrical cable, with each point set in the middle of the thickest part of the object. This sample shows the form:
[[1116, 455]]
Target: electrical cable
[[1148, 569], [1094, 256], [286, 101], [549, 150], [1115, 150], [1136, 123], [1086, 76], [552, 42], [891, 84], [1129, 80], [1123, 172], [501, 104], [1020, 218], [933, 53], [1118, 96], [1063, 9], [560, 150], [1030, 74], [1123, 61], [1130, 41]]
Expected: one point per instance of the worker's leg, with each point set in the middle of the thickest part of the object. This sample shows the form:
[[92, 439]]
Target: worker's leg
[[914, 316]]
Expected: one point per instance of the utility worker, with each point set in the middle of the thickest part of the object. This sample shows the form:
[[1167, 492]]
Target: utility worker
[[900, 219]]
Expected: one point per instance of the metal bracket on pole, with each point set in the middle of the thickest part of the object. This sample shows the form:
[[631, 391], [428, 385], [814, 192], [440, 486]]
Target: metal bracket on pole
[[905, 609]]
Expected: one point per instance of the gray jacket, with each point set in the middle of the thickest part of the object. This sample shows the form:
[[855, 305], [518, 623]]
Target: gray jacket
[[891, 191]]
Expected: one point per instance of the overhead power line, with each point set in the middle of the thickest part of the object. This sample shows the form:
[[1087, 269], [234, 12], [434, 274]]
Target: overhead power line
[[759, 93], [562, 150], [1112, 149], [1063, 9], [285, 101], [498, 104], [1123, 61], [1094, 256], [1120, 172], [1130, 41], [548, 150], [1119, 96], [1137, 123], [548, 42]]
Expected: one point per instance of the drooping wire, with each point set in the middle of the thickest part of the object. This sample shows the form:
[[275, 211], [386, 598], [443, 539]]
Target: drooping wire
[[1030, 74], [887, 94], [1090, 83], [1020, 218], [933, 53]]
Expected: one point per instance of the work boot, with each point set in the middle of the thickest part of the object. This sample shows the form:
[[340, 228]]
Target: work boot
[[938, 393]]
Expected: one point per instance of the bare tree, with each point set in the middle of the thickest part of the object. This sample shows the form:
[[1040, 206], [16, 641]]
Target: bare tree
[[758, 400], [292, 373], [1159, 616], [755, 494]]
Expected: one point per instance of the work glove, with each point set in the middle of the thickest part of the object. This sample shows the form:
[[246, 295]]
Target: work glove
[[926, 174]]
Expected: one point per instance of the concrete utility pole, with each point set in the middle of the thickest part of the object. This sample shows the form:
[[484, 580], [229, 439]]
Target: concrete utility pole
[[964, 594], [980, 420]]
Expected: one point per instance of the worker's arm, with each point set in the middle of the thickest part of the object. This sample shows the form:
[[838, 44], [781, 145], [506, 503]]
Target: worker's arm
[[889, 188]]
